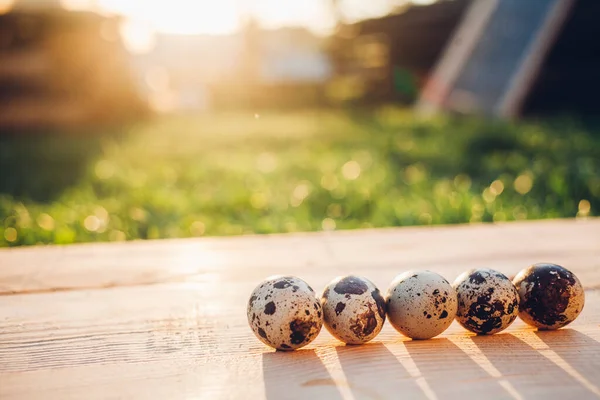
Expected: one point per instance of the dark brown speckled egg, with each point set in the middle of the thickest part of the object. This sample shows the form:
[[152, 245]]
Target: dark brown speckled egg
[[353, 309], [551, 296], [284, 313], [488, 302]]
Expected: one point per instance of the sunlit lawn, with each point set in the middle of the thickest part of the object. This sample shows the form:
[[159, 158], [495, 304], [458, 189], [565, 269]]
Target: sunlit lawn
[[242, 173]]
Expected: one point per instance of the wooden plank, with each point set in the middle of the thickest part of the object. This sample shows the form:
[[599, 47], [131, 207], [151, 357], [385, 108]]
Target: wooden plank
[[382, 253], [83, 321], [191, 340]]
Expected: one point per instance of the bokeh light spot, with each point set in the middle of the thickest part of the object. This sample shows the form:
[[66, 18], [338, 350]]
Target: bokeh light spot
[[488, 196], [414, 174], [334, 210], [138, 36], [197, 228], [117, 236], [497, 187], [329, 182], [520, 213], [138, 214], [45, 222], [584, 208], [301, 191], [10, 234], [351, 170], [91, 223], [523, 184], [462, 182], [328, 224], [477, 210]]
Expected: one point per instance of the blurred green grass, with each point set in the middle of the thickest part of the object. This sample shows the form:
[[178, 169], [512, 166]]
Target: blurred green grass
[[241, 173]]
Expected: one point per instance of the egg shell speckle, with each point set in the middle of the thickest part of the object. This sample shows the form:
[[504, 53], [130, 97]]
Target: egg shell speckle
[[551, 296], [284, 313], [421, 304], [353, 309], [488, 302]]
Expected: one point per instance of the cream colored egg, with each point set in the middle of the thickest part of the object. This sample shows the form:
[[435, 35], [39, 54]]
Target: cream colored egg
[[421, 304]]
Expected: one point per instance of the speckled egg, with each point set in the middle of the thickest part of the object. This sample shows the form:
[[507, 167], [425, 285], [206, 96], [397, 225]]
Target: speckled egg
[[488, 302], [284, 313], [353, 309], [550, 296], [421, 304]]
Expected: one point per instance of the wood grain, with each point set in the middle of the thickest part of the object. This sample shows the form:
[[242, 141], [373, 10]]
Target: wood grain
[[192, 340], [182, 332], [508, 247]]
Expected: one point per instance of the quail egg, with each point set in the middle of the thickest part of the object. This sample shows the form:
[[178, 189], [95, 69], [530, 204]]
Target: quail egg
[[488, 302], [421, 304], [550, 296], [353, 309], [284, 313]]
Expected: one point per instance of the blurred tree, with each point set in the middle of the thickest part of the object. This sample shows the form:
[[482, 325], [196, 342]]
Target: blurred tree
[[58, 70]]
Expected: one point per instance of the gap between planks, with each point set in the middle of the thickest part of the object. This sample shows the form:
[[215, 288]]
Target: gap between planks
[[448, 250]]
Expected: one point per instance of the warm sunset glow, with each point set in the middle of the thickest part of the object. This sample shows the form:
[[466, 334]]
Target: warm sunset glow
[[219, 17], [6, 5], [314, 14], [225, 16], [180, 16]]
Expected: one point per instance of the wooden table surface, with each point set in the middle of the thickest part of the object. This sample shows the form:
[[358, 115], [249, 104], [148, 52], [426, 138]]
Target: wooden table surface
[[167, 319]]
